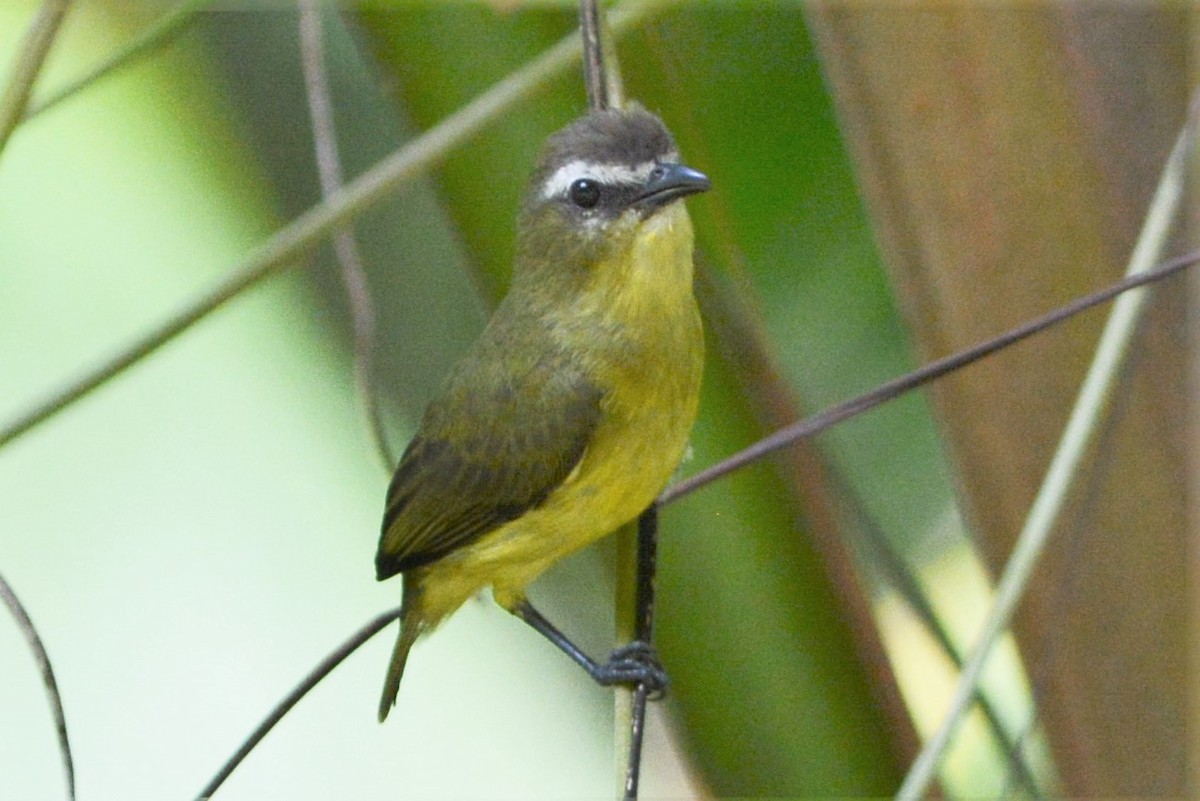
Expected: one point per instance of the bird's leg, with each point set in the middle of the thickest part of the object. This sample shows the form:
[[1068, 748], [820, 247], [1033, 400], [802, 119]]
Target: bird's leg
[[633, 664]]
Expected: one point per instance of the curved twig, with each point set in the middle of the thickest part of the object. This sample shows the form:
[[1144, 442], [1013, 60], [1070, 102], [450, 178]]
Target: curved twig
[[345, 245], [323, 669], [25, 624]]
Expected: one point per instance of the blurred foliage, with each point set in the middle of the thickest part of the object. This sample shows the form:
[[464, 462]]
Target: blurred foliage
[[1009, 155]]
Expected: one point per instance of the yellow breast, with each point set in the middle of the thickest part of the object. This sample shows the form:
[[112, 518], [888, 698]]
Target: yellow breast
[[649, 359]]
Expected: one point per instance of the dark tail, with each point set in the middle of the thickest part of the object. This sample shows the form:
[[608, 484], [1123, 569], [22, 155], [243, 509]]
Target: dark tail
[[410, 628]]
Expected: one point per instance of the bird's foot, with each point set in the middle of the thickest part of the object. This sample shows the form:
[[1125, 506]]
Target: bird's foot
[[635, 664]]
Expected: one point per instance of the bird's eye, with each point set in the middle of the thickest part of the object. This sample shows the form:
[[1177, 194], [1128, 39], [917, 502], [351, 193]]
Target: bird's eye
[[584, 193]]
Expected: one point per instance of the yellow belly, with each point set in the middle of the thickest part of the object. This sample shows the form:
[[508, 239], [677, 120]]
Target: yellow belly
[[654, 370]]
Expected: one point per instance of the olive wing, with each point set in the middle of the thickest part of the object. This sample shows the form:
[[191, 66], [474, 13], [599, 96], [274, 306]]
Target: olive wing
[[480, 460]]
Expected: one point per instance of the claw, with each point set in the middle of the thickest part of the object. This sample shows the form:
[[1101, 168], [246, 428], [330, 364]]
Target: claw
[[635, 664]]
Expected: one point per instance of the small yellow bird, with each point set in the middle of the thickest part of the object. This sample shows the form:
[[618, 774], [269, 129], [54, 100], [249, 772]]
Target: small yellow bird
[[571, 412]]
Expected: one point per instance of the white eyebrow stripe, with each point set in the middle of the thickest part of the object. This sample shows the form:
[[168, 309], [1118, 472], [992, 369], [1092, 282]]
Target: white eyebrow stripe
[[572, 171]]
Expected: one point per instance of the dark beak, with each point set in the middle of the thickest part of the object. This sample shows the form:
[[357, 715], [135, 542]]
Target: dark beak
[[669, 182]]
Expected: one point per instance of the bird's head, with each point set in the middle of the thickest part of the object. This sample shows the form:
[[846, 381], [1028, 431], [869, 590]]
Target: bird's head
[[599, 182]]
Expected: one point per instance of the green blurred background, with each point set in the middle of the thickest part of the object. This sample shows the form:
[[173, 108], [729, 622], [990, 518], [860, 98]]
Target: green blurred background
[[196, 534]]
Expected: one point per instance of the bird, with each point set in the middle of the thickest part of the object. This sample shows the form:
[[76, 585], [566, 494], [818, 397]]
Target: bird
[[572, 410]]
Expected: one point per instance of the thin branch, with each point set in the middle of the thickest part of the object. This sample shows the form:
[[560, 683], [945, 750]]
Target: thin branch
[[323, 669], [34, 49], [601, 72], [310, 228], [909, 381], [897, 575], [157, 36], [345, 246], [594, 75], [645, 570], [25, 624], [1090, 410], [603, 85]]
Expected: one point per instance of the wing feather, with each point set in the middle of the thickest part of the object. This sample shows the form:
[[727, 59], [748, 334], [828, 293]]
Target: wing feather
[[489, 449]]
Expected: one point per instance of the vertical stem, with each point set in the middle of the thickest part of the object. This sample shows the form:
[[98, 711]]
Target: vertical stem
[[637, 563], [632, 616], [594, 79], [601, 73], [647, 566], [626, 629], [345, 245]]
